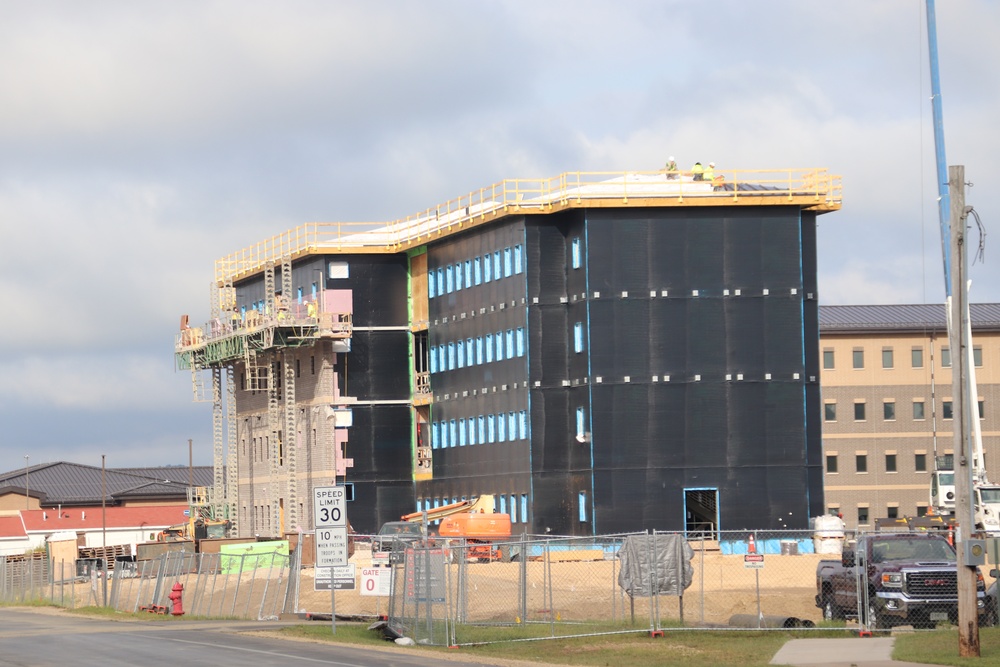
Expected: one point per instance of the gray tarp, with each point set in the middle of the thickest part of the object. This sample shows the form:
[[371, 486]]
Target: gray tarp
[[658, 564]]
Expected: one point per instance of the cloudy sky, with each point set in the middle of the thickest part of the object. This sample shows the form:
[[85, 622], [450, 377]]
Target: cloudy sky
[[140, 141]]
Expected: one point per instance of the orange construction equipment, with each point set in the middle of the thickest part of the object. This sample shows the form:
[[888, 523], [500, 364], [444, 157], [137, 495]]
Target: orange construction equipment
[[473, 521]]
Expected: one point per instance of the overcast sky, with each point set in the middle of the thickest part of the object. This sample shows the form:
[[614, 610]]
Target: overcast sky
[[140, 141]]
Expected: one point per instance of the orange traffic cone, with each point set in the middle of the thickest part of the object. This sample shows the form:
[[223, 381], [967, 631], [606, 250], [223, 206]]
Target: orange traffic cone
[[751, 546]]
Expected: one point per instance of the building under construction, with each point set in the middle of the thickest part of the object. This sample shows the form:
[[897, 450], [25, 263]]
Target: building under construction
[[600, 352]]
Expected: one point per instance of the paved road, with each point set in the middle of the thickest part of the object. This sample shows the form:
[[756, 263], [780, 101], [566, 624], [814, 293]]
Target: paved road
[[30, 638]]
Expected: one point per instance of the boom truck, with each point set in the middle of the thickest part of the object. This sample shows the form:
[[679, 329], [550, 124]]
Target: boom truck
[[472, 525]]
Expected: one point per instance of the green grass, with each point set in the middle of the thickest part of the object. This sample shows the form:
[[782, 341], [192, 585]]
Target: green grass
[[940, 647]]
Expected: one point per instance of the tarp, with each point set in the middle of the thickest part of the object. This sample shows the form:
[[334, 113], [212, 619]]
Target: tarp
[[658, 564]]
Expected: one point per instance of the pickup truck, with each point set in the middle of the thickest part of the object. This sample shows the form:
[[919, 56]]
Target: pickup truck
[[902, 578]]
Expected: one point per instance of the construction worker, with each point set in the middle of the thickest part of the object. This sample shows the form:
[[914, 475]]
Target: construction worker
[[671, 169], [311, 309], [709, 173], [698, 172]]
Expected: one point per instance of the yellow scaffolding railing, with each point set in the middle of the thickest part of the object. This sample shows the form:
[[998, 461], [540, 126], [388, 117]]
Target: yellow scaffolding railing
[[814, 189]]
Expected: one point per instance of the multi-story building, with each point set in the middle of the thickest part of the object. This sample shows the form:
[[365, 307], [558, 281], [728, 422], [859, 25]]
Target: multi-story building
[[887, 404], [601, 352]]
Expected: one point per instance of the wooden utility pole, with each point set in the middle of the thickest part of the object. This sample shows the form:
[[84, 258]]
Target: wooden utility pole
[[968, 620]]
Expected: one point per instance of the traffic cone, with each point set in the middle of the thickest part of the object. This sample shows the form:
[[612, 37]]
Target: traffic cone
[[751, 546]]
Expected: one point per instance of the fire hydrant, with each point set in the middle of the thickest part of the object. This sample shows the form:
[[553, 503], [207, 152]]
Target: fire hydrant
[[175, 596]]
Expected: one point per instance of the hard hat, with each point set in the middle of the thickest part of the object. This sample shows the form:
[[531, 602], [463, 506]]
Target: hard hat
[[711, 164], [671, 158]]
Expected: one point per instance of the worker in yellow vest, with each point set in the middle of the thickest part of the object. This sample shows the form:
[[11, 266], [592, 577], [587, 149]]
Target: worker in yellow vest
[[709, 173], [698, 172]]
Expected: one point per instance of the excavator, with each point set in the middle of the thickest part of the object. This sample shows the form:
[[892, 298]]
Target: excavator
[[473, 521]]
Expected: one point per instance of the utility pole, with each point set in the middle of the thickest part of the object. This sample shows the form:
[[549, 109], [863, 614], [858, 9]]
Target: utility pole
[[968, 621]]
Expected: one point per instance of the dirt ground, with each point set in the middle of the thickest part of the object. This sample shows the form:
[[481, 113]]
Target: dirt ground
[[722, 587]]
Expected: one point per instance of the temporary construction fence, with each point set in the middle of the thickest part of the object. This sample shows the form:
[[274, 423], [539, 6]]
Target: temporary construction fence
[[547, 587]]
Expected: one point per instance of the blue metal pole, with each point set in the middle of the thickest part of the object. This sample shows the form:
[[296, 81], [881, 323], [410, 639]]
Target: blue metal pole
[[944, 198]]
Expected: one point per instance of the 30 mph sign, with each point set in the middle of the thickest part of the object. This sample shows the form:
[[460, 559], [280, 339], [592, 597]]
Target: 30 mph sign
[[330, 505]]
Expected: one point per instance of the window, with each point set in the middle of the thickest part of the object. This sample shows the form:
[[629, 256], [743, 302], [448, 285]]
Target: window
[[431, 284], [977, 357], [519, 338], [981, 408], [482, 430], [477, 270], [489, 348], [503, 504], [862, 515], [510, 343], [518, 260], [440, 279], [468, 273], [479, 350], [513, 508], [434, 358], [945, 358], [831, 464], [892, 512], [491, 428], [460, 353], [522, 424], [499, 340], [511, 426], [496, 265], [449, 279], [524, 507], [575, 253], [453, 433], [469, 358], [946, 410], [890, 463], [861, 463], [889, 411], [501, 428], [921, 510], [581, 426], [859, 411], [920, 462], [887, 357], [830, 412], [578, 337], [472, 430], [917, 357], [461, 433], [487, 269], [435, 435], [508, 264], [918, 409], [458, 277], [828, 358], [442, 358], [859, 358], [451, 356], [582, 502]]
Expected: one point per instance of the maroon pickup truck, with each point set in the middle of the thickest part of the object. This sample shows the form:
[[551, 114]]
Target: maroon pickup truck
[[902, 578]]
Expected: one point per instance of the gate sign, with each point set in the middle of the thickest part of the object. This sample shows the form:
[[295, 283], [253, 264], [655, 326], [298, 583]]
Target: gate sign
[[329, 503], [375, 581], [331, 546]]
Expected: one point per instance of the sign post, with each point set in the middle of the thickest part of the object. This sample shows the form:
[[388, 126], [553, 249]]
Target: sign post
[[330, 515]]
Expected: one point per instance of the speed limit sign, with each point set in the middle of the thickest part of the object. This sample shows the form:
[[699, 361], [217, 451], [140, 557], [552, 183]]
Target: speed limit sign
[[330, 503]]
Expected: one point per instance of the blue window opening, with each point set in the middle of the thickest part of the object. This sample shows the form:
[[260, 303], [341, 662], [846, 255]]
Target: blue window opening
[[469, 353], [442, 358], [434, 361], [479, 350], [511, 427], [491, 429], [460, 353], [524, 507], [487, 269], [451, 356], [482, 429], [513, 508], [461, 433], [468, 273], [496, 265], [499, 340], [449, 279], [315, 289], [575, 253], [578, 337], [520, 341], [510, 343], [489, 348], [477, 270], [458, 277], [431, 285], [453, 433], [522, 424], [501, 428], [518, 260], [581, 426], [440, 279], [508, 263], [472, 430], [582, 501], [298, 294], [503, 504], [435, 435]]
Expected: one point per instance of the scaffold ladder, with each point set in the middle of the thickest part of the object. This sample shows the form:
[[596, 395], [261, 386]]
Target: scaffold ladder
[[232, 474], [291, 436]]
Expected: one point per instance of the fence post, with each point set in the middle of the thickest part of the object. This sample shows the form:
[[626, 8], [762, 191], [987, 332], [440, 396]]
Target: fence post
[[239, 579], [548, 590], [523, 576], [702, 577]]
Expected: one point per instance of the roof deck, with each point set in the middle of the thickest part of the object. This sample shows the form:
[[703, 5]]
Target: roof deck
[[810, 189]]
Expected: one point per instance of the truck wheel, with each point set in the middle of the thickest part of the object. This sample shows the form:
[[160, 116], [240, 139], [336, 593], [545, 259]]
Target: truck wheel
[[831, 612], [875, 620]]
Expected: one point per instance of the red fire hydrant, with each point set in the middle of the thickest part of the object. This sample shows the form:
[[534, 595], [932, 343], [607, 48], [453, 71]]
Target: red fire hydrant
[[175, 596]]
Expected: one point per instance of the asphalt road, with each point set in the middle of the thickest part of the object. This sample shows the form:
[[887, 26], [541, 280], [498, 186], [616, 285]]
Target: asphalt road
[[38, 639]]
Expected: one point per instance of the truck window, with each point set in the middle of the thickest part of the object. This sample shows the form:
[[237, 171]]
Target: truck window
[[909, 550]]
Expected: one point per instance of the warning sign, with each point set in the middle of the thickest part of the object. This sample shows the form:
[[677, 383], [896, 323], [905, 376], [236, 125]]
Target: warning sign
[[753, 561]]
